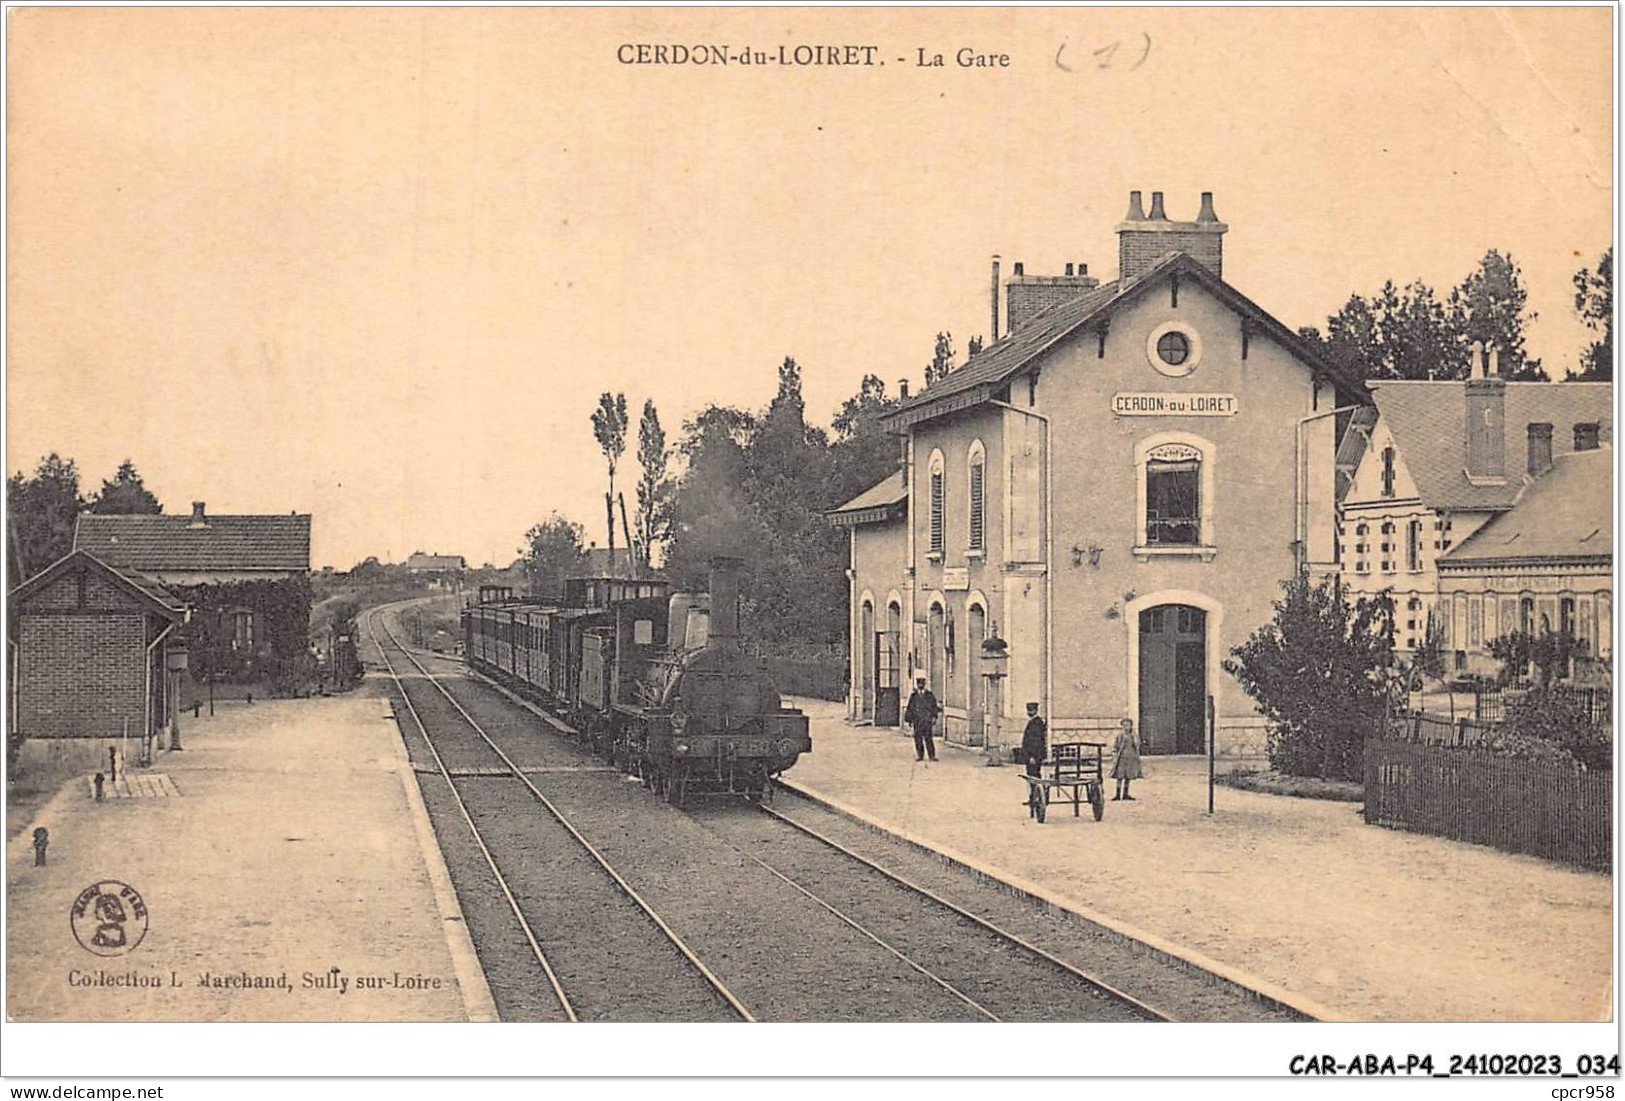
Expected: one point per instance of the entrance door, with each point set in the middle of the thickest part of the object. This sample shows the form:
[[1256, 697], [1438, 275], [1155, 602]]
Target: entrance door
[[1173, 679], [867, 656], [888, 661], [973, 671]]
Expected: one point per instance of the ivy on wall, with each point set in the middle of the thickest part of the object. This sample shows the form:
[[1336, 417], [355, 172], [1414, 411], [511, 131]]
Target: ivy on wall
[[281, 630]]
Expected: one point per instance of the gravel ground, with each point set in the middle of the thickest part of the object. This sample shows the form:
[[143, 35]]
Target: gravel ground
[[1180, 994], [1006, 979]]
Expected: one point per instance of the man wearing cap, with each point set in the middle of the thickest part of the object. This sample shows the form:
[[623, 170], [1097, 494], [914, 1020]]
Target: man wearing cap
[[1034, 741], [921, 714]]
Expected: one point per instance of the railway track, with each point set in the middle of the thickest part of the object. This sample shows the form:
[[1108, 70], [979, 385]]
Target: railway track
[[514, 877], [816, 926]]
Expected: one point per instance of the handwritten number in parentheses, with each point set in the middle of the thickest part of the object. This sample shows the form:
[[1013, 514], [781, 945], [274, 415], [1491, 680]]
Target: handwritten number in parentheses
[[1105, 56]]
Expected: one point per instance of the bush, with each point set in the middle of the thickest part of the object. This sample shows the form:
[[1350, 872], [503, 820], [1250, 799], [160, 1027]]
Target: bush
[[1559, 720], [1320, 672]]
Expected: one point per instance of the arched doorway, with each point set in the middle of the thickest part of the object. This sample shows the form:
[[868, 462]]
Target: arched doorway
[[938, 671], [888, 659], [867, 659], [1173, 679], [976, 620]]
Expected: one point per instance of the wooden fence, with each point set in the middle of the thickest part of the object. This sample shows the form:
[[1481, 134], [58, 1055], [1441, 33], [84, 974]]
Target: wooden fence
[[1543, 808]]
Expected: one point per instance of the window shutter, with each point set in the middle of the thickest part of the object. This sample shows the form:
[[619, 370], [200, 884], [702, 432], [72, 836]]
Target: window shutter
[[976, 505], [936, 510]]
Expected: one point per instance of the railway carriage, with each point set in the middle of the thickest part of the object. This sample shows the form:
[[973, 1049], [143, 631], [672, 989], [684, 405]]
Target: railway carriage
[[655, 680]]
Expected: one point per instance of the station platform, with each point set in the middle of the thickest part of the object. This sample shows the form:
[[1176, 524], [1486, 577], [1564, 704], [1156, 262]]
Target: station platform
[[281, 858], [1298, 898]]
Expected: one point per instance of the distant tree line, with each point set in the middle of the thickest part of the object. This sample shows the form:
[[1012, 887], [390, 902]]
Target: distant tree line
[[42, 508]]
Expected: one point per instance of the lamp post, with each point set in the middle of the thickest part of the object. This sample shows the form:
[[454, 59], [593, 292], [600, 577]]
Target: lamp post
[[995, 665]]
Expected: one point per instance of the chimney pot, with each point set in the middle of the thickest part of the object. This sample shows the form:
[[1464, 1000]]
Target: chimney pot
[[1475, 366], [1157, 213], [902, 388], [197, 513], [1069, 269], [1494, 368], [1206, 213], [1083, 269], [1136, 213], [1020, 269]]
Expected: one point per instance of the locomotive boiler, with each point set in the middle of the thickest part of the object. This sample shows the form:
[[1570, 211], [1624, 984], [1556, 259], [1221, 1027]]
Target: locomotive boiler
[[657, 681]]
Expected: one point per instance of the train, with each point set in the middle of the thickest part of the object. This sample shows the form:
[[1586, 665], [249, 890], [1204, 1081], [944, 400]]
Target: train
[[656, 680]]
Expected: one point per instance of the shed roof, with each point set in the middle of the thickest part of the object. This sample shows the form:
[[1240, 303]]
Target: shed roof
[[158, 544], [1429, 425], [1566, 515], [152, 596], [884, 500]]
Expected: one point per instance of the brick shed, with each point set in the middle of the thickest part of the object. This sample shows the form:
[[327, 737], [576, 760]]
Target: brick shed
[[87, 652]]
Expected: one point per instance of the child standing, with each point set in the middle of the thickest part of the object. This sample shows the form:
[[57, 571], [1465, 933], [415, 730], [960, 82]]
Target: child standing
[[1126, 760]]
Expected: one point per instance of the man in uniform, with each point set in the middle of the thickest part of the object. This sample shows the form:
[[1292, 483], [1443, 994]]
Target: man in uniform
[[921, 714], [1034, 741]]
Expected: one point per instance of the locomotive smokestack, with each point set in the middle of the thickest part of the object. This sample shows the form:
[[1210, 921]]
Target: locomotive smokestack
[[724, 625]]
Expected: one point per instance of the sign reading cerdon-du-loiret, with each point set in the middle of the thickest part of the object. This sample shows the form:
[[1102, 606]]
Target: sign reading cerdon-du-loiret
[[1174, 405]]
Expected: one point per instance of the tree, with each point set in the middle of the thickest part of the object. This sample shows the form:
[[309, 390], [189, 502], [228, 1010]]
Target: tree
[[42, 510], [609, 429], [654, 515], [942, 359], [1492, 306], [1594, 302], [552, 553], [1319, 672], [1410, 333], [125, 495]]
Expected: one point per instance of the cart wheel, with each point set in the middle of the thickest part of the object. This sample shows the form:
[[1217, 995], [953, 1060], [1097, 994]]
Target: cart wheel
[[1036, 801], [1097, 801]]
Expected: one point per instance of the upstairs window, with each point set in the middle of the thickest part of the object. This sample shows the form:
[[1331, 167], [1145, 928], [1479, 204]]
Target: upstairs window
[[977, 535], [937, 489], [1173, 498], [242, 632], [1387, 472]]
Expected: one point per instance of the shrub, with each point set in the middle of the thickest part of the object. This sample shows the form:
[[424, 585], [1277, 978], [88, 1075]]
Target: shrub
[[1320, 671], [1557, 719]]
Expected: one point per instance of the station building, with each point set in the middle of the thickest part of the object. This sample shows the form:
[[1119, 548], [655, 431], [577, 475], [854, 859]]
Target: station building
[[1117, 487]]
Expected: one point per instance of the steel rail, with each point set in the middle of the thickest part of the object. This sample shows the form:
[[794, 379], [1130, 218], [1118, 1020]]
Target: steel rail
[[631, 892], [502, 882], [1094, 981]]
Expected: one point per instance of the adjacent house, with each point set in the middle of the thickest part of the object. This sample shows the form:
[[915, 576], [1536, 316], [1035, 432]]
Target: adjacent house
[[246, 578], [1428, 464], [1118, 487], [1545, 564], [439, 565]]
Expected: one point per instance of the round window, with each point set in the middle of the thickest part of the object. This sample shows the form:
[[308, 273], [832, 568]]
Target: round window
[[1174, 349]]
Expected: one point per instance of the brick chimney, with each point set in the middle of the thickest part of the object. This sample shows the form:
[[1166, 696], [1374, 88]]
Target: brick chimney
[[1486, 417], [1142, 240], [1540, 449], [198, 519], [1026, 295]]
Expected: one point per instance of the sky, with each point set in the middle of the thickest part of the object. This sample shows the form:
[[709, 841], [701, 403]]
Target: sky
[[377, 265]]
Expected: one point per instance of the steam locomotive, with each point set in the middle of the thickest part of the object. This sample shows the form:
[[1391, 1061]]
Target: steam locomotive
[[655, 679]]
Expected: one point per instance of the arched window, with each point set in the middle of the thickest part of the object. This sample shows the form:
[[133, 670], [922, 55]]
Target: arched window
[[1175, 495], [976, 539], [937, 489]]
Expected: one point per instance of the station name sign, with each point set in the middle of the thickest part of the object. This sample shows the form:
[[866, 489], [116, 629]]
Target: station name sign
[[1174, 405]]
